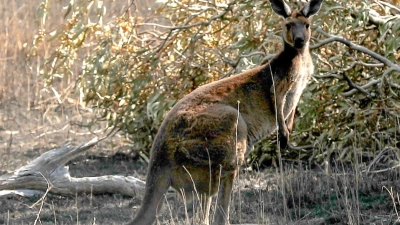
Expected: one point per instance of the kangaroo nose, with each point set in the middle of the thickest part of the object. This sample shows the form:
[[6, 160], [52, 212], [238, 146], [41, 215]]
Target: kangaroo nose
[[298, 42]]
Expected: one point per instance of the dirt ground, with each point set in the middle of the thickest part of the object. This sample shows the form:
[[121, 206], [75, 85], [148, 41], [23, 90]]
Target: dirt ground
[[302, 194]]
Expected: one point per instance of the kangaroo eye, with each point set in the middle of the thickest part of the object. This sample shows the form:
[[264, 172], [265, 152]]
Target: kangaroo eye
[[307, 26], [288, 26]]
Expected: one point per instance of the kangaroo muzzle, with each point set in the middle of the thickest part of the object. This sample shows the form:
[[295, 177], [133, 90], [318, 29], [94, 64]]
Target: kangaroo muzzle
[[298, 42]]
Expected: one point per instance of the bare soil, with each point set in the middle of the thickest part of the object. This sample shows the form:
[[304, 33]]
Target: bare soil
[[310, 196]]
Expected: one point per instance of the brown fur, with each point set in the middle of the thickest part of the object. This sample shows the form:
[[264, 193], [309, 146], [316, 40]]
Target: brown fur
[[204, 138]]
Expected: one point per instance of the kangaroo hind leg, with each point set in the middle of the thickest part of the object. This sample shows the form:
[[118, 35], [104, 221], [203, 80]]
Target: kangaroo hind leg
[[223, 200], [157, 184]]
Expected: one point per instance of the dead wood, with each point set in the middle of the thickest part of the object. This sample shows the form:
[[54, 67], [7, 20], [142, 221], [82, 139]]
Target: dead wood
[[49, 173]]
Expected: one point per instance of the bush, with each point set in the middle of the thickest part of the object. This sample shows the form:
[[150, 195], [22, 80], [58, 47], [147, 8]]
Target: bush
[[133, 71]]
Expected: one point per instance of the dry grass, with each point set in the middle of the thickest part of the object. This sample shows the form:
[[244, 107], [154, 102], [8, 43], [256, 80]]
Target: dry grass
[[30, 114], [34, 118]]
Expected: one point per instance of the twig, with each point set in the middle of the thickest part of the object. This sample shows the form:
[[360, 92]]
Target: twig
[[303, 147], [49, 186], [330, 75], [392, 7], [333, 38], [376, 159], [172, 30], [376, 19], [384, 170], [353, 64], [393, 200], [369, 84], [208, 22], [51, 132], [353, 86]]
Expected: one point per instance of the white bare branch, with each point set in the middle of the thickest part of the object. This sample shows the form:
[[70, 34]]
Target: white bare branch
[[332, 38], [49, 172]]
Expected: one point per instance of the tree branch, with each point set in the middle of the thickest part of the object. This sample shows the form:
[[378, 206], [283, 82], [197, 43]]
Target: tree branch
[[361, 88], [353, 86], [333, 38], [393, 9]]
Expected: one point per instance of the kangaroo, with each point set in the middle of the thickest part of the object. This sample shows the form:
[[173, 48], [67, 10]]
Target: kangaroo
[[203, 139]]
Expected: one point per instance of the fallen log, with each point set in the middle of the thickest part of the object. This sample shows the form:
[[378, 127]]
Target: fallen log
[[48, 173]]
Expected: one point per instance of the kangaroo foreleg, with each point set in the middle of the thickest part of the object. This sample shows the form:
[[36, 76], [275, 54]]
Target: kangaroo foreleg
[[290, 120], [279, 92]]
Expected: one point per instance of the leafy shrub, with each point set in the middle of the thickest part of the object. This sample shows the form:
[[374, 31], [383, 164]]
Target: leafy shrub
[[133, 71]]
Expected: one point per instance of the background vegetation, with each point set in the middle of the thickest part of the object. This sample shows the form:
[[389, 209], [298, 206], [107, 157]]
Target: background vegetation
[[132, 70], [124, 64]]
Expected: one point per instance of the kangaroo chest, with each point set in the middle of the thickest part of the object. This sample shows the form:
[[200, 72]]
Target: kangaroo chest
[[300, 76]]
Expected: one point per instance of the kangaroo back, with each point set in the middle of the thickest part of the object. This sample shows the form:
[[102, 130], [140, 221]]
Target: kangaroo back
[[204, 138]]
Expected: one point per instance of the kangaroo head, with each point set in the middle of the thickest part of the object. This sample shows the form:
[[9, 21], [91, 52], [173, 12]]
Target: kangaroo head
[[296, 29]]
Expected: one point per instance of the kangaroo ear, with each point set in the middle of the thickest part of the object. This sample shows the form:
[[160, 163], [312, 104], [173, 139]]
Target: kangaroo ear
[[311, 8], [281, 8]]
